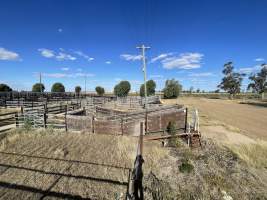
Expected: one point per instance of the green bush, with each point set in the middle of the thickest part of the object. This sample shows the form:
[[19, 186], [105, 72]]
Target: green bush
[[171, 128], [38, 87], [172, 89], [58, 87], [150, 88], [186, 167], [122, 89], [5, 88], [100, 90]]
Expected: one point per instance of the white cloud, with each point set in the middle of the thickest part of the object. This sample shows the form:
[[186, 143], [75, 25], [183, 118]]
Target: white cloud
[[248, 70], [259, 59], [156, 76], [63, 56], [47, 53], [60, 56], [83, 75], [65, 69], [65, 75], [160, 57], [108, 62], [183, 61], [80, 53], [129, 57], [79, 69], [8, 55], [55, 75], [203, 74]]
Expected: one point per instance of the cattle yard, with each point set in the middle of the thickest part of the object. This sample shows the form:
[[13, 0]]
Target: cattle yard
[[97, 122]]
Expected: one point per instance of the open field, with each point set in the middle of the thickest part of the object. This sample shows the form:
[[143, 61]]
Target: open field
[[58, 165], [250, 120]]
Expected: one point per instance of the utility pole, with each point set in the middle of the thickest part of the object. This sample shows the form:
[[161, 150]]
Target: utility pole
[[143, 49]]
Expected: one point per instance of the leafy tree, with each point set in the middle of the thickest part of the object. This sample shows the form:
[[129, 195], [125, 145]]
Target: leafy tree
[[58, 87], [38, 87], [78, 90], [100, 90], [150, 88], [172, 89], [232, 81], [198, 90], [259, 81], [5, 88], [122, 89]]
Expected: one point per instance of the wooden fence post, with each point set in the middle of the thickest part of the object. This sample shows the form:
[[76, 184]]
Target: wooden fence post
[[93, 124], [45, 116], [66, 126], [17, 119], [185, 125], [122, 126]]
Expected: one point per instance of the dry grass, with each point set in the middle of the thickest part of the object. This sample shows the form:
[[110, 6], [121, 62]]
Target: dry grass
[[253, 154], [100, 152]]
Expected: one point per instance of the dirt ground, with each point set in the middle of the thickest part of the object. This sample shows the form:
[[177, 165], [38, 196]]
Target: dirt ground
[[249, 120]]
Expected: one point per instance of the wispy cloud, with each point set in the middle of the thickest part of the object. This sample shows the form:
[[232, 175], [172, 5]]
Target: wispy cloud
[[108, 62], [129, 57], [203, 74], [8, 55], [65, 75], [47, 53], [83, 55], [248, 70], [183, 61], [156, 76], [160, 57], [60, 30], [65, 69], [259, 59]]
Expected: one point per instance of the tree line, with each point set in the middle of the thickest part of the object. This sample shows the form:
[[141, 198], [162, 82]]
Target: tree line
[[172, 88], [230, 83]]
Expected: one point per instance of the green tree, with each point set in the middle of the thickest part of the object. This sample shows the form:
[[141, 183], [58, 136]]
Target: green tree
[[172, 89], [122, 89], [5, 88], [78, 90], [58, 87], [259, 81], [150, 88], [231, 82], [191, 89], [38, 87], [100, 90]]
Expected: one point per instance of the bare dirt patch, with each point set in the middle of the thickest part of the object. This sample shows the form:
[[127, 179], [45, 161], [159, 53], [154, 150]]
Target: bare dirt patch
[[250, 120]]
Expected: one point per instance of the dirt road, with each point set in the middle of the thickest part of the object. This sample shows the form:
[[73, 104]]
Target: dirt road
[[251, 120]]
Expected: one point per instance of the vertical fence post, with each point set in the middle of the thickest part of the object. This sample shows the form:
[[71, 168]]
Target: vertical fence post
[[17, 119], [5, 103], [121, 125], [66, 126], [45, 116], [93, 124], [185, 124], [141, 138]]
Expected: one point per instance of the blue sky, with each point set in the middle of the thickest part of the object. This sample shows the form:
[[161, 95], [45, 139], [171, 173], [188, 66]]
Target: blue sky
[[68, 40]]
